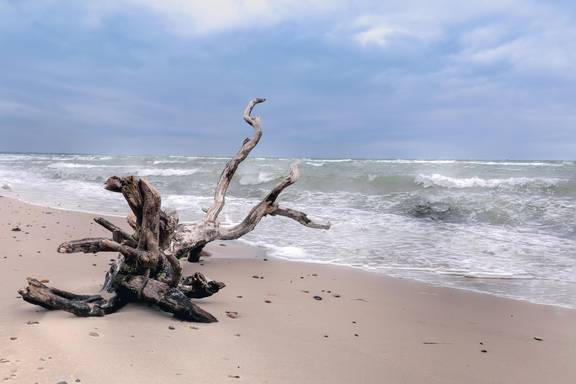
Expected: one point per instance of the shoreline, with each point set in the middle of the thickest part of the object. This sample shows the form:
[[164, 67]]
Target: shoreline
[[262, 250], [367, 327]]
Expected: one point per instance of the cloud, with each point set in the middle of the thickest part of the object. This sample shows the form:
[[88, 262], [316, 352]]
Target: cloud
[[375, 31], [343, 77], [526, 36], [187, 18], [546, 44], [201, 17], [379, 22], [12, 108]]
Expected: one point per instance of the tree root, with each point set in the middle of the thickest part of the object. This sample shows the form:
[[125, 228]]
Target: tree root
[[148, 268]]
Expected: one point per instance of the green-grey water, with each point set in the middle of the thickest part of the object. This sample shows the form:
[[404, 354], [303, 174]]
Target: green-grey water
[[501, 227]]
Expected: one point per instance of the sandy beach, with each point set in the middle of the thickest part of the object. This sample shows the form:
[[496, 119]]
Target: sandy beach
[[366, 328]]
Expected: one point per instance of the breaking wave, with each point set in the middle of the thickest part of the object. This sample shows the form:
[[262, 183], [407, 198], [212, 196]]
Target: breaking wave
[[259, 178], [439, 180], [167, 172]]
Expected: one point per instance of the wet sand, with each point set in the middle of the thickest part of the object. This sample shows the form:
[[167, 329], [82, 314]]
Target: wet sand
[[365, 328]]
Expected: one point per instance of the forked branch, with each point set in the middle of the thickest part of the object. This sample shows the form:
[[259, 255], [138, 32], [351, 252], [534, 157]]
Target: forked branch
[[268, 206]]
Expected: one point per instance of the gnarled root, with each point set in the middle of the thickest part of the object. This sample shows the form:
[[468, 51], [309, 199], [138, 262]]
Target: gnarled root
[[80, 305], [198, 286], [169, 299], [129, 289]]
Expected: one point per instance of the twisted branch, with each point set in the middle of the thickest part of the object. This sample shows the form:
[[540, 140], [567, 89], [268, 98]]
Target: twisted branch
[[232, 165], [268, 207]]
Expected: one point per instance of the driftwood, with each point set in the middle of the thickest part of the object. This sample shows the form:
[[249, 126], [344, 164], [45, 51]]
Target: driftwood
[[148, 267]]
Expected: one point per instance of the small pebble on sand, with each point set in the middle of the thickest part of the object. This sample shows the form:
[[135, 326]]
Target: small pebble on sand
[[232, 314]]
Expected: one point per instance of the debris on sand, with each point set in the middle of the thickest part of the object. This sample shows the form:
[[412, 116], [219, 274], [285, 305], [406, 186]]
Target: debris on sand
[[232, 314]]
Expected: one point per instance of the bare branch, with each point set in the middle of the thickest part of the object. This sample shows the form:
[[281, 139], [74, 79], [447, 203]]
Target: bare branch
[[299, 216], [232, 165], [80, 305], [292, 177], [125, 236], [98, 244], [88, 245], [266, 206]]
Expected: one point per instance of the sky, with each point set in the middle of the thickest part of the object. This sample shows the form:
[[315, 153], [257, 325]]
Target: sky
[[492, 79]]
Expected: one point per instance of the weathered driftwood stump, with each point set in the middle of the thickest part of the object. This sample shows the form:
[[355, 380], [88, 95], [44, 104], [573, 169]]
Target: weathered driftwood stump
[[148, 267]]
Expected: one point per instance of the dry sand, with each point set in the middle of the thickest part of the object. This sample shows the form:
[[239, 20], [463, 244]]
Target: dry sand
[[366, 329]]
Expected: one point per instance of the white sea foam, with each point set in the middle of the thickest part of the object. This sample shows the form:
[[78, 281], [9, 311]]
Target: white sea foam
[[156, 162], [167, 172], [401, 161], [18, 157], [315, 163], [327, 160], [283, 252], [476, 162], [477, 182], [518, 163], [76, 165], [255, 179]]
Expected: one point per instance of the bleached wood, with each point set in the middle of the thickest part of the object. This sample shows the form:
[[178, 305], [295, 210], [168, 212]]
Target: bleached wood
[[232, 165], [149, 269]]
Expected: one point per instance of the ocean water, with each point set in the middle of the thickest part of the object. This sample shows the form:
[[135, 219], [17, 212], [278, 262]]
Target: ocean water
[[502, 227]]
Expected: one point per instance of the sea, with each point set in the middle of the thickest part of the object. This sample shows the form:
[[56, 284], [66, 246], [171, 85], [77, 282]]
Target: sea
[[506, 228]]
